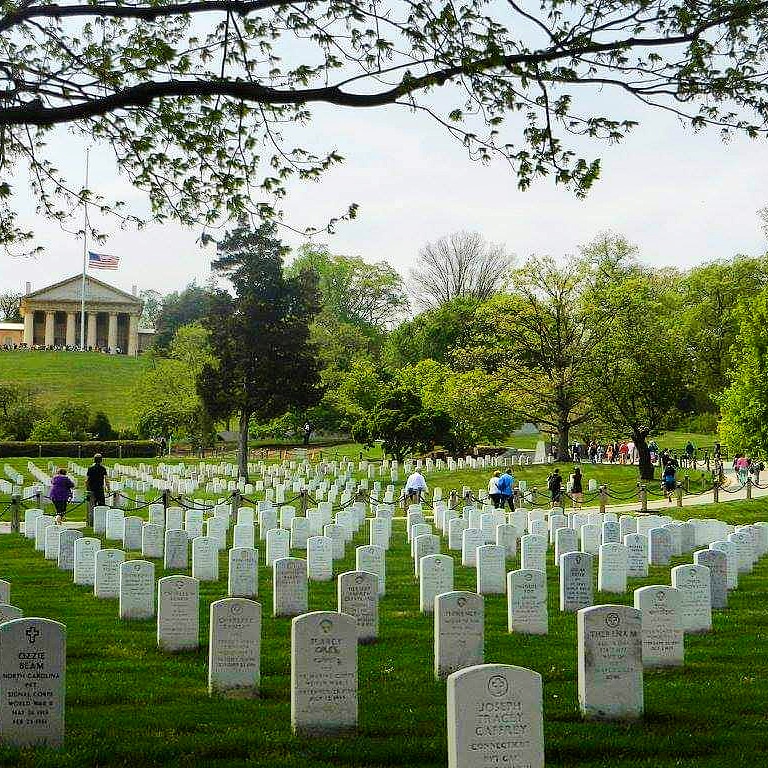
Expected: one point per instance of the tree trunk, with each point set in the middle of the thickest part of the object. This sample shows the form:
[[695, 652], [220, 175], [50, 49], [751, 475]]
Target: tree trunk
[[640, 437], [242, 445], [563, 439]]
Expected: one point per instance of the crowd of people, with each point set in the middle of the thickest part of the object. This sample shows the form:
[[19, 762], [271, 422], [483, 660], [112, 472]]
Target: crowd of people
[[625, 452], [59, 348]]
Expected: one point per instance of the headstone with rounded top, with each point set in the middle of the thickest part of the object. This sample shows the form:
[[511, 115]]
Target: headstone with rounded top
[[662, 626], [86, 548], [278, 545], [178, 613], [41, 524], [243, 572], [495, 717], [323, 673], [459, 632], [533, 552], [693, 583], [66, 553], [9, 612], [205, 559], [659, 546], [234, 650], [637, 555], [137, 590], [566, 540], [358, 596], [527, 602], [576, 585], [717, 562], [728, 548], [52, 533], [290, 590], [610, 662], [491, 570], [152, 535], [176, 550], [373, 559], [32, 669], [106, 583], [319, 558], [612, 568]]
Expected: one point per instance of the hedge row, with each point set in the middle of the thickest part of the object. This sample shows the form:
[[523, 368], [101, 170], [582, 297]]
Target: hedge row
[[113, 449]]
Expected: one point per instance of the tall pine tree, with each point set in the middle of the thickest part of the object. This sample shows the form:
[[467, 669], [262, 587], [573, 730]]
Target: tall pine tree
[[260, 336]]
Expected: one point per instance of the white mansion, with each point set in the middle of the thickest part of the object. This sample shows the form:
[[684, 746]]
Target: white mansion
[[52, 318]]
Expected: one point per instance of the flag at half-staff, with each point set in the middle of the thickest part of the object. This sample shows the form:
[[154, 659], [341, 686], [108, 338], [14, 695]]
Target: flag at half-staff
[[102, 260]]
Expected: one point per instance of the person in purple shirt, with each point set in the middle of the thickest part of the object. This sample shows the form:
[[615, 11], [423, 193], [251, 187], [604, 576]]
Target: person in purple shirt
[[61, 493]]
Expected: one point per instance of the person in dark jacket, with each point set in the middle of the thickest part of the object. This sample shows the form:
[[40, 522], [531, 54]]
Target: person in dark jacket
[[96, 481], [61, 493]]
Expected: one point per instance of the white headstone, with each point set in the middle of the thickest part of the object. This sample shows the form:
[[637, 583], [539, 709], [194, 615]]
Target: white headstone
[[278, 545], [471, 539], [323, 673], [459, 632], [566, 540], [137, 589], [5, 591], [205, 559], [131, 535], [527, 602], [319, 558], [495, 717], [693, 584], [176, 553], [86, 548], [728, 548], [662, 626], [659, 546], [32, 669], [106, 583], [234, 650], [533, 552], [436, 577], [717, 562], [338, 537], [358, 596], [637, 555], [9, 612], [290, 591], [612, 568], [152, 540], [243, 535], [610, 661], [424, 544], [491, 570], [178, 613], [52, 533], [41, 524], [373, 559], [66, 554], [114, 524], [576, 587], [243, 572], [507, 536]]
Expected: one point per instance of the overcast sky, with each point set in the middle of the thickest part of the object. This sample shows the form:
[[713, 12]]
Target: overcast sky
[[682, 198]]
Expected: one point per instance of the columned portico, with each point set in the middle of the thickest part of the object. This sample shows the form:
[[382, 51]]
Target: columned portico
[[52, 317]]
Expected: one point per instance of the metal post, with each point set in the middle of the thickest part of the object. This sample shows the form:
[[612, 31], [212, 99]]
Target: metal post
[[687, 483], [115, 499], [304, 503], [603, 498], [749, 489], [235, 505], [15, 514], [643, 499], [679, 495], [454, 500], [39, 499], [89, 509], [166, 498], [716, 492]]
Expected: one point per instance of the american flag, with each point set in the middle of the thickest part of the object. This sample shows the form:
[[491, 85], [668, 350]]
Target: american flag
[[102, 260]]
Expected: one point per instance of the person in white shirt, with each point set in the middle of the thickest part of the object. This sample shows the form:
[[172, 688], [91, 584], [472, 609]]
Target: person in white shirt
[[493, 489], [415, 487]]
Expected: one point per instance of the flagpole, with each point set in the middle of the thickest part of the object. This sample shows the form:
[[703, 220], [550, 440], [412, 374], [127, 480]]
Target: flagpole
[[85, 254]]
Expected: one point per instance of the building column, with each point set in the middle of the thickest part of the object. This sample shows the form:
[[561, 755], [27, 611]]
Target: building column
[[133, 334], [49, 316], [91, 341], [112, 332], [71, 329], [29, 326]]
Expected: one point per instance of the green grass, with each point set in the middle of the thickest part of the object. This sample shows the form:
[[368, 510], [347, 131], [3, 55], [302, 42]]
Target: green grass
[[129, 705], [103, 381]]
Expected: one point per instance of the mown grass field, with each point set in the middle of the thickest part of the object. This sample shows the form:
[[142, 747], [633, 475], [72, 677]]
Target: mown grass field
[[103, 381], [129, 705]]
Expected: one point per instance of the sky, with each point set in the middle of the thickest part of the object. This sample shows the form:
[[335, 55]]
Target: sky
[[682, 198]]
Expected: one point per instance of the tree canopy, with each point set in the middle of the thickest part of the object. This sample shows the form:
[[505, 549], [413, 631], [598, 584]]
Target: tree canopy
[[205, 103]]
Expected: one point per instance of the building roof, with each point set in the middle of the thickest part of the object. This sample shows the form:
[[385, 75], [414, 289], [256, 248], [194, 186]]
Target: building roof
[[91, 283]]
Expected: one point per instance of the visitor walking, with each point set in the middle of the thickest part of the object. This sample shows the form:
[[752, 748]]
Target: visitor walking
[[96, 481], [61, 494], [577, 491], [307, 433], [555, 487], [493, 489], [669, 480], [507, 490], [742, 467]]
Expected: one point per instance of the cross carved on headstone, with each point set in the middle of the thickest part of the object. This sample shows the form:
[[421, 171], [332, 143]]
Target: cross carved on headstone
[[32, 634]]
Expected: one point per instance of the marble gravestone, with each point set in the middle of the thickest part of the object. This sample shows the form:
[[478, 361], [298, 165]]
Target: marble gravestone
[[243, 572], [728, 548], [5, 591], [278, 545], [471, 539], [178, 613], [491, 569], [533, 552], [424, 544], [205, 559], [41, 525], [717, 562], [137, 590], [576, 585], [358, 596], [290, 590], [323, 673], [106, 583], [32, 670], [66, 553], [373, 560], [693, 583], [566, 540], [612, 568], [637, 555], [319, 558], [610, 662], [659, 546], [9, 612], [436, 577], [459, 632], [234, 649], [52, 533], [176, 554], [662, 626], [131, 534], [527, 602], [495, 717], [243, 536], [152, 540]]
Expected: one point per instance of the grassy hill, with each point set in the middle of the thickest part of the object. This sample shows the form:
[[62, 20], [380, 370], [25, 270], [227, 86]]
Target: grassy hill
[[103, 381]]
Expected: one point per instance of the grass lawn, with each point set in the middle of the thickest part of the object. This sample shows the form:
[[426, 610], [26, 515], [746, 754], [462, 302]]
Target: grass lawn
[[129, 705], [103, 381]]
